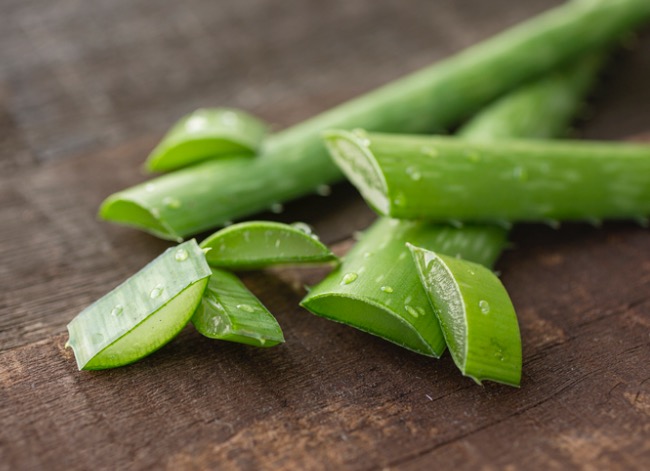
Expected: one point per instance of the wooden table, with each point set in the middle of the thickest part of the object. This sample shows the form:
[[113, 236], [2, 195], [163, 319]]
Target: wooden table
[[88, 88]]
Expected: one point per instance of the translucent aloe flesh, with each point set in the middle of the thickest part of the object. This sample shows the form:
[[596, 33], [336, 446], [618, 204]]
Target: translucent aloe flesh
[[376, 288], [229, 311], [294, 162], [143, 313], [439, 177], [259, 244], [477, 317], [544, 107], [207, 133]]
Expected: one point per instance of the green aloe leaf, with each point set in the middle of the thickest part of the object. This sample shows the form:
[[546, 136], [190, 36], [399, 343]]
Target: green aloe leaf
[[476, 315], [376, 288], [229, 311], [207, 133], [258, 244], [143, 313]]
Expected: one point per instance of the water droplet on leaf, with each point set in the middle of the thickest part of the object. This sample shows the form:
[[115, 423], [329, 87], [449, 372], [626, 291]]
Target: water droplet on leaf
[[181, 255], [349, 278], [156, 292], [484, 306]]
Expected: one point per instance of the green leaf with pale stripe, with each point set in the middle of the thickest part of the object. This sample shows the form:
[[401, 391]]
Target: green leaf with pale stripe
[[143, 313], [476, 315]]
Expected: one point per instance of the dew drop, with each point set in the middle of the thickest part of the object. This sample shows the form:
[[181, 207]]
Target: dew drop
[[277, 243], [349, 278], [324, 190], [301, 226], [245, 307], [195, 123], [156, 292], [386, 289], [414, 173], [430, 151], [484, 306], [411, 310], [362, 137], [181, 255], [171, 203], [117, 310], [399, 200], [520, 174], [367, 254], [276, 208]]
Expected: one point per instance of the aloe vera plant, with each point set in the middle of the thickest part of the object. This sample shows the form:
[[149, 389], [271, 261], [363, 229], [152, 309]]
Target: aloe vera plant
[[476, 315], [541, 108], [229, 311], [258, 244], [143, 313], [207, 133], [294, 162], [439, 178]]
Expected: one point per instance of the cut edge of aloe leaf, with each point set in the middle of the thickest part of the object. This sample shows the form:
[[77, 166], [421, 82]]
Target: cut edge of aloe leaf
[[260, 244], [143, 313], [476, 315], [229, 311], [408, 337], [350, 151], [207, 133], [136, 214]]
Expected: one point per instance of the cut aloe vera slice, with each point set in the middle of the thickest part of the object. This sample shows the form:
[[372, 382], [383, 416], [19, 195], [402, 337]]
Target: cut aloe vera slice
[[476, 315], [207, 133], [259, 244], [143, 313], [229, 311]]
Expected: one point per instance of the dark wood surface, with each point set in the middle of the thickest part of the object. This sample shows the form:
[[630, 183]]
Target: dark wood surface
[[86, 90]]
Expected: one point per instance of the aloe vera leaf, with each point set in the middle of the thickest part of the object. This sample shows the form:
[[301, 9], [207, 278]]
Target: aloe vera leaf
[[477, 317], [439, 178], [259, 244], [143, 313], [229, 311], [552, 101], [377, 290], [207, 133], [294, 162]]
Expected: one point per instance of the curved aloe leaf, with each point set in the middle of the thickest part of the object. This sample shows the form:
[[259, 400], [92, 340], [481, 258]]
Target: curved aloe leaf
[[229, 311], [377, 290], [143, 313], [207, 133], [258, 244], [476, 315]]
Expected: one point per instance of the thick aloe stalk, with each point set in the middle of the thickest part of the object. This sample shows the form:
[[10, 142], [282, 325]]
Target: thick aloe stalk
[[389, 275], [294, 162], [143, 313], [440, 178]]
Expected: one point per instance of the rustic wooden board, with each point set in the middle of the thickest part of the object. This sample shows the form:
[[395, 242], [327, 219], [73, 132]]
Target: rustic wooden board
[[87, 88]]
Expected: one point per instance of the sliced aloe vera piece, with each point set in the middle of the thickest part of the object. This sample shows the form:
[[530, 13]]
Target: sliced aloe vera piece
[[258, 244], [143, 313], [376, 289], [476, 315], [229, 311], [207, 133]]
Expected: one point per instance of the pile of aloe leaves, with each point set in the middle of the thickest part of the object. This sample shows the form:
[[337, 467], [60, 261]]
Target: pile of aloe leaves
[[421, 275]]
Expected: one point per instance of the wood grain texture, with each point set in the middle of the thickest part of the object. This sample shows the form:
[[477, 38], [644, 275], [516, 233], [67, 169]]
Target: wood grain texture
[[86, 90]]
